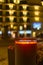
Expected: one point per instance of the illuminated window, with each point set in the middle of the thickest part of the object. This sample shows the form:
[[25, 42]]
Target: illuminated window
[[37, 25], [36, 18], [34, 34], [11, 12], [25, 13], [26, 32], [42, 2], [16, 1], [0, 32], [11, 6], [1, 1], [11, 18], [25, 25], [15, 27], [13, 35], [24, 7], [36, 12], [25, 19], [21, 27], [36, 7], [11, 25]]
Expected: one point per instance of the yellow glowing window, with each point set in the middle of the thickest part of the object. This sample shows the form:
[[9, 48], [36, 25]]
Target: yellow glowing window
[[36, 7]]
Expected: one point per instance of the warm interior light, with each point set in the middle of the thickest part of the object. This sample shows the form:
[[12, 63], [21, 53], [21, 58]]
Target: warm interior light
[[42, 3], [25, 25], [13, 35], [24, 13], [36, 12], [15, 27], [16, 1], [11, 6], [21, 27], [11, 25], [11, 18], [25, 19], [36, 7], [36, 18], [1, 32], [24, 7], [11, 12], [1, 1], [34, 34]]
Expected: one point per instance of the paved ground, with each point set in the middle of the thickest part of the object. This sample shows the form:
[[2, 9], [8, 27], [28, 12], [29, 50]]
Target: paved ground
[[4, 52], [3, 56]]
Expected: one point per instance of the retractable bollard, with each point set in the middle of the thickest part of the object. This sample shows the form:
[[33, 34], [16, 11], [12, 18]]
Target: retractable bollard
[[25, 52], [11, 55]]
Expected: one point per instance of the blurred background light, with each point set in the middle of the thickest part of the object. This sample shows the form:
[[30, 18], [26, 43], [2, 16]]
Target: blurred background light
[[25, 25], [11, 12], [25, 13], [11, 18], [36, 12], [24, 7], [21, 27], [25, 19], [42, 3], [13, 35], [16, 1], [1, 1], [36, 7], [9, 32], [11, 25], [34, 34], [37, 25], [11, 6], [0, 32], [36, 18]]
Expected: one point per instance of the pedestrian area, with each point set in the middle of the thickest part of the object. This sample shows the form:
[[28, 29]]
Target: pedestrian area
[[3, 56]]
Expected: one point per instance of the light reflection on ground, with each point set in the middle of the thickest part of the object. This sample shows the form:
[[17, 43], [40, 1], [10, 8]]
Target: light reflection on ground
[[3, 56]]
